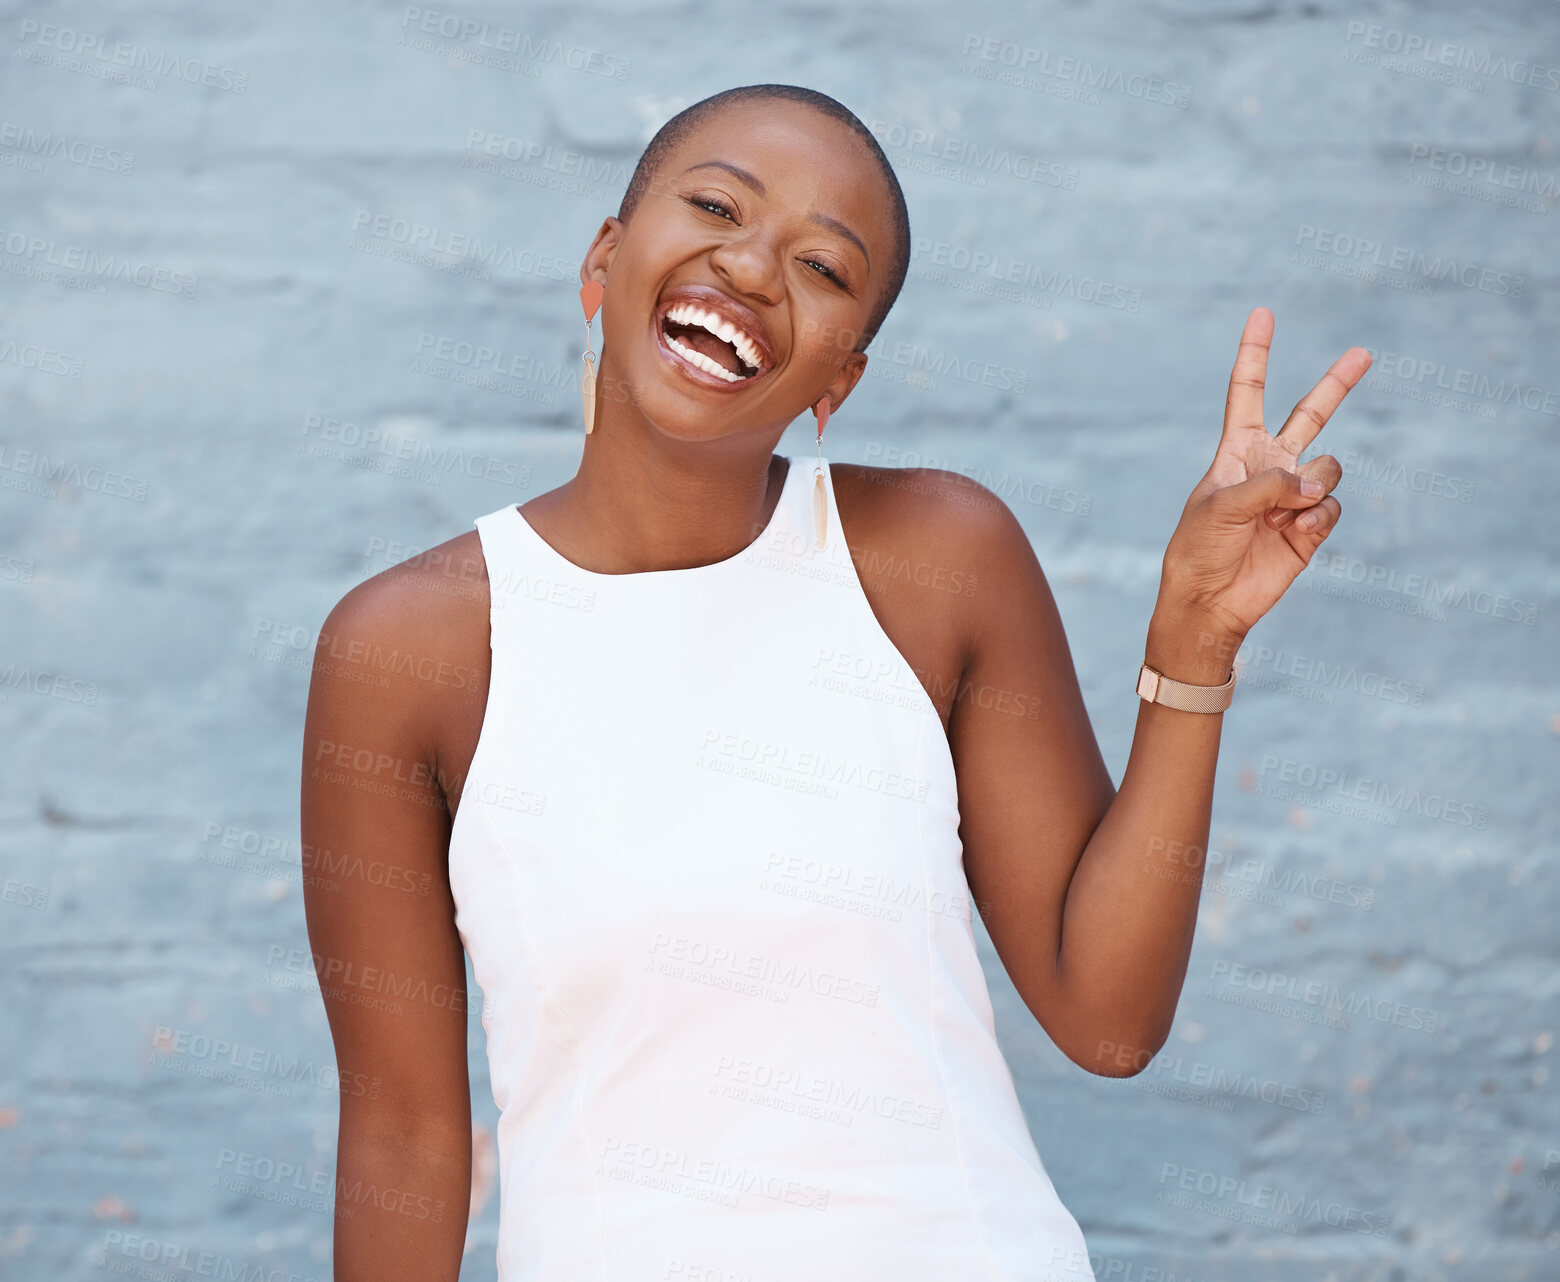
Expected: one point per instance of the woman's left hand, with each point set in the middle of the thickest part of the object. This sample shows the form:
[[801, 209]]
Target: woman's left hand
[[1248, 529]]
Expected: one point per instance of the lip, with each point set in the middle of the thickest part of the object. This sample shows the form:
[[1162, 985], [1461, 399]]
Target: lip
[[726, 307]]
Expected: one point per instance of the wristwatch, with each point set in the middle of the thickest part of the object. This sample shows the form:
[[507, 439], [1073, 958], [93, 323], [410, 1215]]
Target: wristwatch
[[1155, 687]]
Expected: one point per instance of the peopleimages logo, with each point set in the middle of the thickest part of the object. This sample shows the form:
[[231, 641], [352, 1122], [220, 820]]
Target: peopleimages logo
[[731, 752], [484, 36], [921, 366], [1439, 377], [1364, 472], [33, 253], [85, 50], [1227, 1084], [1307, 668], [1466, 173], [942, 149], [45, 360], [676, 955], [1423, 587], [1306, 777], [1041, 278], [436, 457], [1287, 995], [50, 146], [1362, 251], [1435, 54], [704, 1178], [1010, 63], [369, 227], [1270, 1198], [797, 1087]]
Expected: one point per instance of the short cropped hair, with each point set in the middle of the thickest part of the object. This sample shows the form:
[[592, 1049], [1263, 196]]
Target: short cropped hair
[[678, 127]]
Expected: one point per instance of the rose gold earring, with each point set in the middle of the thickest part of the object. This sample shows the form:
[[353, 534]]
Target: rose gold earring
[[591, 293], [820, 491]]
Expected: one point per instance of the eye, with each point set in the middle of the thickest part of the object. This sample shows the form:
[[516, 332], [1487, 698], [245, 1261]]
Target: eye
[[711, 205], [825, 270]]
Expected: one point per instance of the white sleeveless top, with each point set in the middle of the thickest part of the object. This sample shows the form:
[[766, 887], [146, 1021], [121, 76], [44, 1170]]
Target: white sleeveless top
[[708, 870]]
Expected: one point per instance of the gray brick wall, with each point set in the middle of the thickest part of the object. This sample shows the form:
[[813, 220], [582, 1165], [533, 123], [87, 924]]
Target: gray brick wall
[[217, 347]]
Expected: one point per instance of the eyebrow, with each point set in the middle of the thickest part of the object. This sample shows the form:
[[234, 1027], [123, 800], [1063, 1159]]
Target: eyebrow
[[752, 180]]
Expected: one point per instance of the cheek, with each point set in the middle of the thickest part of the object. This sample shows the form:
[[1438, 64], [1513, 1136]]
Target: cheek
[[823, 342], [659, 238]]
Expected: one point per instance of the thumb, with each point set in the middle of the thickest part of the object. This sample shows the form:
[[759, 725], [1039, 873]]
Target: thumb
[[1276, 487]]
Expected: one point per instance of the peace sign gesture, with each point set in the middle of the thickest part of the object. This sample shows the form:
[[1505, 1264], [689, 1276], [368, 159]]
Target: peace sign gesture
[[1250, 525]]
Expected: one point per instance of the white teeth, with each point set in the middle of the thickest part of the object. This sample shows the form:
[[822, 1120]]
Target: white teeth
[[746, 348], [702, 361]]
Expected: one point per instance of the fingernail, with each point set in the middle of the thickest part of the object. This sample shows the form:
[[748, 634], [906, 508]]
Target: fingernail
[[1308, 520], [1311, 489]]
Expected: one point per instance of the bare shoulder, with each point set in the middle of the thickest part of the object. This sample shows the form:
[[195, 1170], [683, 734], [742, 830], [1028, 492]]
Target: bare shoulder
[[951, 522], [938, 555], [425, 603], [409, 648], [926, 492]]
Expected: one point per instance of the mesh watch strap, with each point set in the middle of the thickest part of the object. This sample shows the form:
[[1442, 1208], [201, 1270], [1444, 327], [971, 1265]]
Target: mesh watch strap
[[1157, 688]]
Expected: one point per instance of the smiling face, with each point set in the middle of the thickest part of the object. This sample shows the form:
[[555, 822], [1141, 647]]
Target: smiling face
[[738, 288]]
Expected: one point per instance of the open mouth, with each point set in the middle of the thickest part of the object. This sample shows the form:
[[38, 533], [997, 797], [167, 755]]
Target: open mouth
[[710, 342]]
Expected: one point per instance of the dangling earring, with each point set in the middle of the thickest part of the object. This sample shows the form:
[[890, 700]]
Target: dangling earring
[[820, 491], [591, 293]]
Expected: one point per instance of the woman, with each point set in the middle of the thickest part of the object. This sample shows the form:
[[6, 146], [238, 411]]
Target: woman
[[707, 754]]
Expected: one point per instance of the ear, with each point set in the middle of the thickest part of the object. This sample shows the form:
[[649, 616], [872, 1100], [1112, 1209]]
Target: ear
[[850, 374], [598, 258]]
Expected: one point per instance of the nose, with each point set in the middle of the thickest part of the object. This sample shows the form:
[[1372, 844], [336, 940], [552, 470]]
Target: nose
[[751, 265]]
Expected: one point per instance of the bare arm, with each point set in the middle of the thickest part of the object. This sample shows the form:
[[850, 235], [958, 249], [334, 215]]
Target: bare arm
[[1086, 890], [375, 829]]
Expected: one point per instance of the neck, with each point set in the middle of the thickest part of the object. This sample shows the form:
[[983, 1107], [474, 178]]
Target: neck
[[643, 503]]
